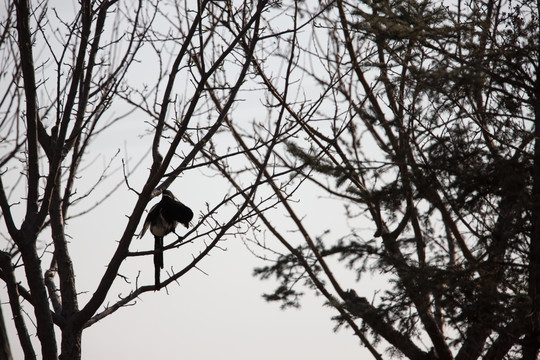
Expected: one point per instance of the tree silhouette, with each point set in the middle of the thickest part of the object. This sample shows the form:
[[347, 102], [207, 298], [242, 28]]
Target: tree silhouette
[[62, 73], [420, 119], [397, 139]]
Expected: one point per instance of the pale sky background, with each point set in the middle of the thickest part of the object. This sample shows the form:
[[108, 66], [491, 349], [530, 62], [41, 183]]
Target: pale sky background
[[219, 314]]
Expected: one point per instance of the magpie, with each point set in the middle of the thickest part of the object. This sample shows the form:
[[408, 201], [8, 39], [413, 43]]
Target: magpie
[[162, 219]]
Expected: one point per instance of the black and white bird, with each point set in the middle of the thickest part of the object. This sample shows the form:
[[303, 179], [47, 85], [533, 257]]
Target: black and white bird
[[162, 220]]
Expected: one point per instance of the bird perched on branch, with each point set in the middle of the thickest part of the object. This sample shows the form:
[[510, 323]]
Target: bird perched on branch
[[162, 220]]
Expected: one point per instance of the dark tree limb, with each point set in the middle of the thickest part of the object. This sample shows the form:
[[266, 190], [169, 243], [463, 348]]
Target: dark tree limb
[[5, 349], [18, 317]]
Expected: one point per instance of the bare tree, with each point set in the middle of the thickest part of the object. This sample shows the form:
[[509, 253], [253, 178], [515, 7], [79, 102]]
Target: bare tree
[[64, 76]]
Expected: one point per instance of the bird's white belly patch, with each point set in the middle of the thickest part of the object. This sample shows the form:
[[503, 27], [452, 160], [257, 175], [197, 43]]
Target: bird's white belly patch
[[162, 227]]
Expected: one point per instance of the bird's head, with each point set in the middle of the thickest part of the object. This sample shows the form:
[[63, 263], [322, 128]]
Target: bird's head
[[169, 194]]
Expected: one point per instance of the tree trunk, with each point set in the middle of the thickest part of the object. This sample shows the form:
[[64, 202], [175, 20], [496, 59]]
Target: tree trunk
[[5, 350], [34, 275], [71, 343]]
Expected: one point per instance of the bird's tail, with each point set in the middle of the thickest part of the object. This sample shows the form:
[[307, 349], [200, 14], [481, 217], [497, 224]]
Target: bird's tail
[[158, 259]]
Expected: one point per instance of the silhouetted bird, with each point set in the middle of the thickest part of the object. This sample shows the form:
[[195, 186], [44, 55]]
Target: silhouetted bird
[[162, 220]]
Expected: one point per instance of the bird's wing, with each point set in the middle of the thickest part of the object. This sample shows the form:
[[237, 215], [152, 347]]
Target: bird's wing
[[152, 214], [185, 215], [145, 227], [175, 210]]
